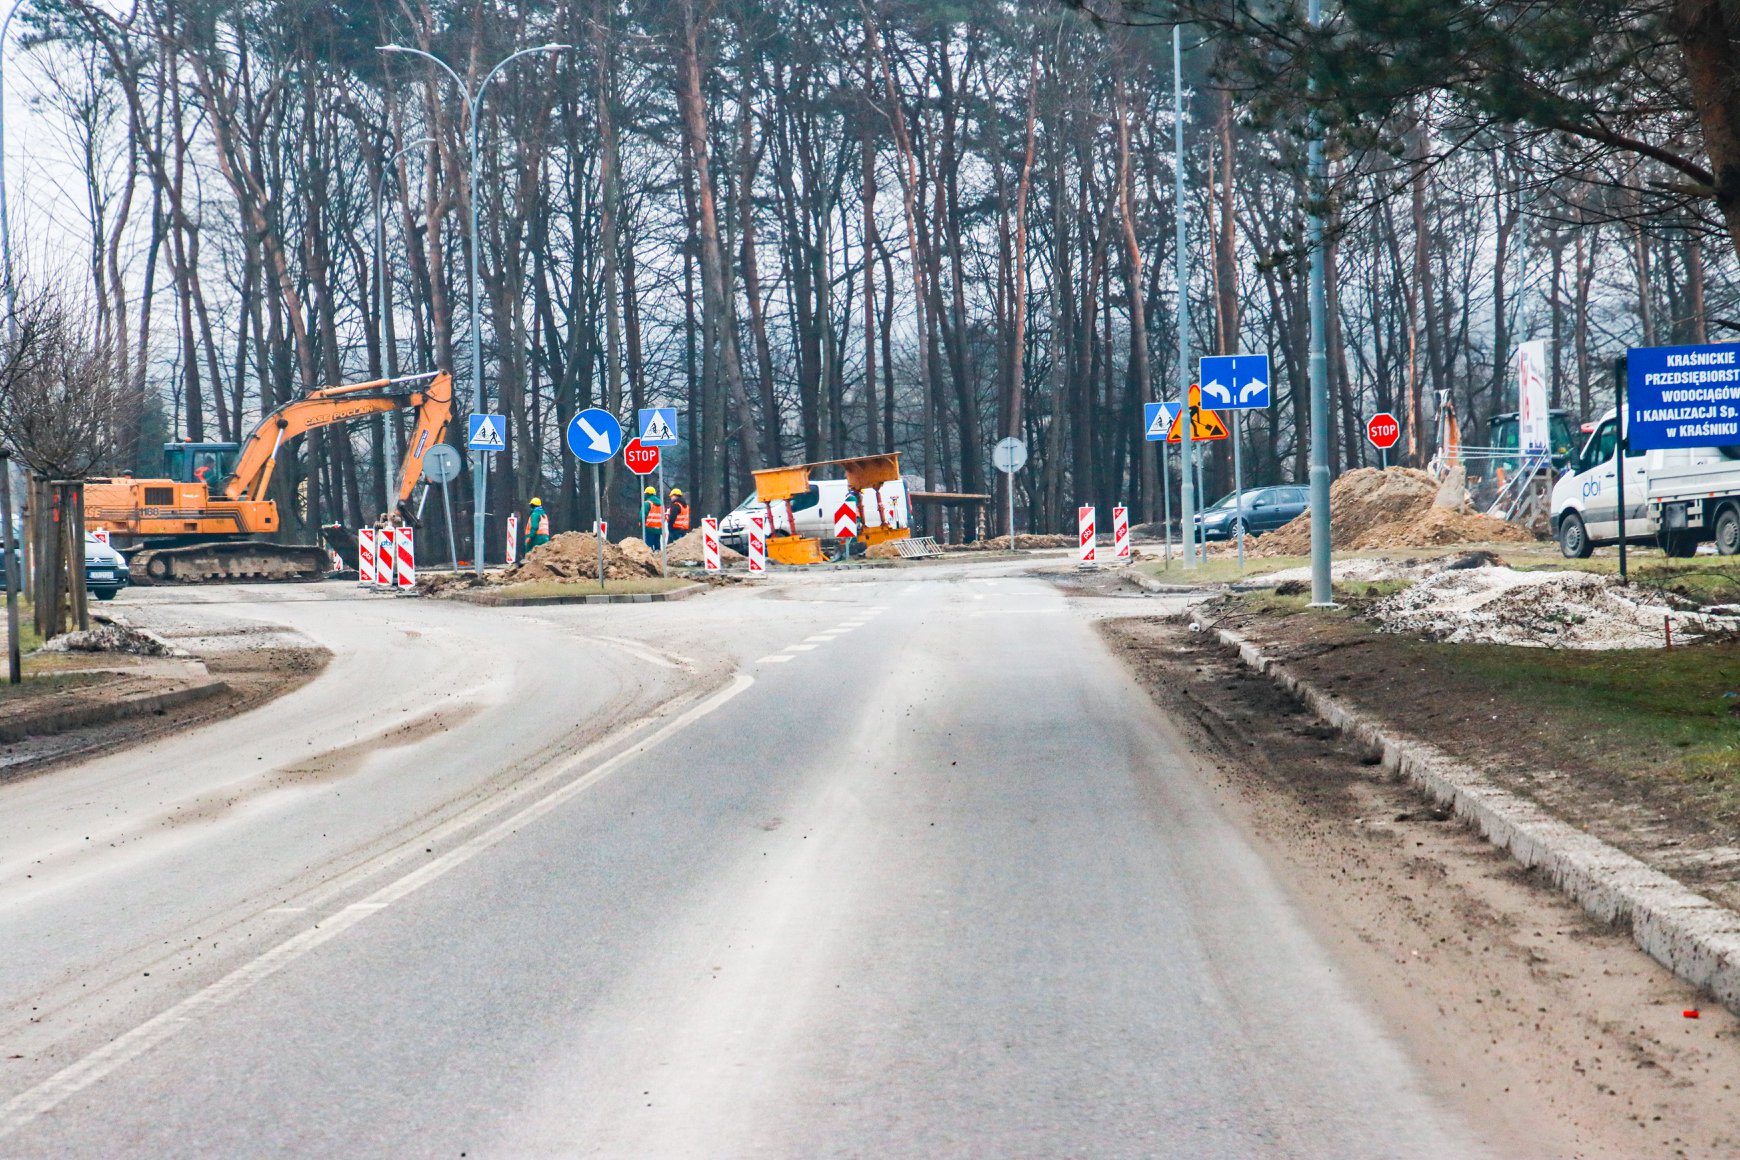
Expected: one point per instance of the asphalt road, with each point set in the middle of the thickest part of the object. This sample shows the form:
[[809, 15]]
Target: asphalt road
[[901, 865]]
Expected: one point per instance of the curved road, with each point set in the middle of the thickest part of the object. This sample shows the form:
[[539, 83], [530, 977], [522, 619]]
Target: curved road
[[901, 864]]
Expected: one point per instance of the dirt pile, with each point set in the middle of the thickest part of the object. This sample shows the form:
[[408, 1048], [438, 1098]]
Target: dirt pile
[[113, 636], [1541, 609], [1398, 508], [574, 556], [1022, 541], [691, 550], [635, 549]]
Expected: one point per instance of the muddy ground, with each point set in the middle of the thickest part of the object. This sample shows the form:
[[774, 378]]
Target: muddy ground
[[1550, 1027]]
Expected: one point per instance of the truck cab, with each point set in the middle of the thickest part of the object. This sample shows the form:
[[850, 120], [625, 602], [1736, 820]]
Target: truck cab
[[1586, 496]]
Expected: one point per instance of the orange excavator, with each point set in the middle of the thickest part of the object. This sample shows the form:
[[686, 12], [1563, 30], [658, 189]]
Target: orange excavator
[[211, 521]]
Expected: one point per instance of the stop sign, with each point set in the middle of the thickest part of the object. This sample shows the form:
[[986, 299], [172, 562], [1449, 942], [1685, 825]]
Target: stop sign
[[1383, 430], [641, 460]]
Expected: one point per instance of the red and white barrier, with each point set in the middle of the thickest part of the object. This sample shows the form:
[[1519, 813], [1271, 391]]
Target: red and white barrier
[[757, 546], [513, 540], [1121, 533], [1089, 553], [365, 558], [710, 544], [101, 535], [406, 565], [386, 555]]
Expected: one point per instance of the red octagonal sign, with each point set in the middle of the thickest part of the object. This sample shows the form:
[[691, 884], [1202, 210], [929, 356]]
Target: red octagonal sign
[[1383, 430], [641, 460]]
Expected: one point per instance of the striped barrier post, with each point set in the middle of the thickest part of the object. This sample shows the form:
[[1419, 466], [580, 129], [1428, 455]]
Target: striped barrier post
[[406, 566], [710, 543], [1089, 557], [1121, 533], [513, 540], [386, 555], [757, 547], [365, 557]]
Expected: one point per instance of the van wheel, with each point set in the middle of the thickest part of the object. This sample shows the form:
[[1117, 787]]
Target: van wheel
[[1678, 544], [1728, 531], [1574, 537]]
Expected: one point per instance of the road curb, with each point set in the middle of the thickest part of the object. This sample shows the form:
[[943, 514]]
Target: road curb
[[79, 716], [490, 601], [1695, 938]]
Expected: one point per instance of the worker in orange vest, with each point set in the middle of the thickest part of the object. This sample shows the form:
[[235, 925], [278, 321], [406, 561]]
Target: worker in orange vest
[[678, 514], [652, 519]]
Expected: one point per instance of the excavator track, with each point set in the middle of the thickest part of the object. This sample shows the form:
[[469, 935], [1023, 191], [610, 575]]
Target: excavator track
[[219, 562]]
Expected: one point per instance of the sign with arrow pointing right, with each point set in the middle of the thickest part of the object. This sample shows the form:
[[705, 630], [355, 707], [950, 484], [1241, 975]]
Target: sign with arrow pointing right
[[594, 435], [1238, 382]]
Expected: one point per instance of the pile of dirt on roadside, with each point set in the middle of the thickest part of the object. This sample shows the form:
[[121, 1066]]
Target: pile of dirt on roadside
[[691, 550], [112, 635], [574, 556], [437, 583], [1022, 540], [1581, 610], [1371, 509], [635, 549]]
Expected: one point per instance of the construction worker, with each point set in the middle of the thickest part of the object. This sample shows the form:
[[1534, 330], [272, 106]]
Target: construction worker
[[652, 519], [537, 524], [677, 514]]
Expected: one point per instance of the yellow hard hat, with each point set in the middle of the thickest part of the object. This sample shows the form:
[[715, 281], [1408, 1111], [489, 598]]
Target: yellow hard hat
[[676, 491], [536, 502], [652, 491]]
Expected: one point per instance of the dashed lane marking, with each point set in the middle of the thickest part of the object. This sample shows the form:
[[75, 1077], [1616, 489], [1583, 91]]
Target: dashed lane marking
[[776, 659]]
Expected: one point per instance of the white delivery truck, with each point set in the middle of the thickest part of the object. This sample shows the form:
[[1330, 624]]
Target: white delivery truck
[[813, 513], [1672, 498]]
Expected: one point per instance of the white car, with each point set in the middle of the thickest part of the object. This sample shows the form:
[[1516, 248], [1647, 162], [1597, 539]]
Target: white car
[[812, 513]]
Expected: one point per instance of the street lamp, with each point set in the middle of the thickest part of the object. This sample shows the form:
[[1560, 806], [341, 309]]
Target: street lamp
[[380, 253], [474, 105], [5, 220]]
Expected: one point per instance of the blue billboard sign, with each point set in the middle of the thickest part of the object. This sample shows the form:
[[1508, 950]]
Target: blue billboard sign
[[1682, 396]]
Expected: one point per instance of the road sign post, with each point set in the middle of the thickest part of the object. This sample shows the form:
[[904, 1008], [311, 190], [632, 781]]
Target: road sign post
[[658, 428], [485, 435], [594, 436], [1088, 548], [1237, 382], [710, 544], [1157, 421], [846, 525], [757, 546], [442, 465], [1121, 533], [1010, 456]]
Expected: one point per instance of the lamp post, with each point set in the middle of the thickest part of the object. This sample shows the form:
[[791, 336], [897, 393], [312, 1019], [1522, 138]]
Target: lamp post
[[474, 105], [5, 219], [1316, 189], [1186, 448], [381, 250]]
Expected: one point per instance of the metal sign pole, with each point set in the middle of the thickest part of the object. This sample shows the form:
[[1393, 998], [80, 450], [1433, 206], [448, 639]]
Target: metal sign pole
[[479, 491], [598, 522], [665, 527], [1619, 371], [14, 563], [447, 510], [1238, 489], [1009, 477]]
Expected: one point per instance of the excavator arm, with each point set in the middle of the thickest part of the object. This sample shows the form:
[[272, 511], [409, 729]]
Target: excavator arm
[[329, 405]]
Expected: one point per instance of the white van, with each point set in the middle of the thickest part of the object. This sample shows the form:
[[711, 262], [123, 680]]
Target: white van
[[1586, 497], [812, 512]]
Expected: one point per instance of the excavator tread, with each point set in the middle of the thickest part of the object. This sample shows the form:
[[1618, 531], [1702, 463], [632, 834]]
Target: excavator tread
[[229, 562]]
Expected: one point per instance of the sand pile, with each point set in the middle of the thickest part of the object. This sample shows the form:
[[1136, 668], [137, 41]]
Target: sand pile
[[1398, 508], [1542, 609], [691, 550], [635, 549], [574, 556], [112, 635]]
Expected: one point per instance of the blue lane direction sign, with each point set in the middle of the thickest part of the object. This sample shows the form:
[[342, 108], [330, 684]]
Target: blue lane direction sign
[[658, 426], [487, 433], [1157, 420], [1235, 382], [1683, 396], [594, 435]]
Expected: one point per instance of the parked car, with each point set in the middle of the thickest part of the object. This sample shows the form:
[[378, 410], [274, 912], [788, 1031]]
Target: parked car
[[106, 571], [812, 513], [1264, 509]]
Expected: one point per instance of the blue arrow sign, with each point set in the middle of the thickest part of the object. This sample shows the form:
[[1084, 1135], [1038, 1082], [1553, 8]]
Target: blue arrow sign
[[1682, 396], [1157, 420], [487, 433], [658, 426], [594, 435], [1235, 382]]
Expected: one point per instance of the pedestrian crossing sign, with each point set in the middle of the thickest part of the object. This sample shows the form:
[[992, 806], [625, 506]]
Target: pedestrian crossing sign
[[658, 426], [1157, 418], [487, 433]]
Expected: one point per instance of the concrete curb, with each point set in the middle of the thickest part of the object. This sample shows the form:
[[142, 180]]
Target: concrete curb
[[490, 601], [1695, 938], [79, 716]]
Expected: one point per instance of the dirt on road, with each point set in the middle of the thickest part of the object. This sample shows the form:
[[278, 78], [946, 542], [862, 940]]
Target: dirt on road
[[1554, 1031]]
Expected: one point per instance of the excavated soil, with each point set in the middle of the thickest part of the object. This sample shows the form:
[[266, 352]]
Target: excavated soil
[[574, 556], [637, 551], [690, 550], [1398, 508]]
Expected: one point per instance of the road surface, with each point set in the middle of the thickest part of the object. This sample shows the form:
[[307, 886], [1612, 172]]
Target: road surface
[[892, 864]]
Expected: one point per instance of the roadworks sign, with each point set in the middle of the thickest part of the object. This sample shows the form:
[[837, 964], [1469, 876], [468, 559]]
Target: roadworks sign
[[1204, 425]]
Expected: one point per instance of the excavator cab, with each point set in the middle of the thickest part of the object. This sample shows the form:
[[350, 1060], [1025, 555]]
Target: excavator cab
[[207, 463]]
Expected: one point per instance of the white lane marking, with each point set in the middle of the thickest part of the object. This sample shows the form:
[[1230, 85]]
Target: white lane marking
[[775, 659], [651, 655], [284, 910], [160, 1028], [799, 647], [820, 637]]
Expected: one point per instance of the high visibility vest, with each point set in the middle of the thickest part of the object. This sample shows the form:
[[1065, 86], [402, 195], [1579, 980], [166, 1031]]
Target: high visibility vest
[[680, 516], [537, 524], [655, 516]]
